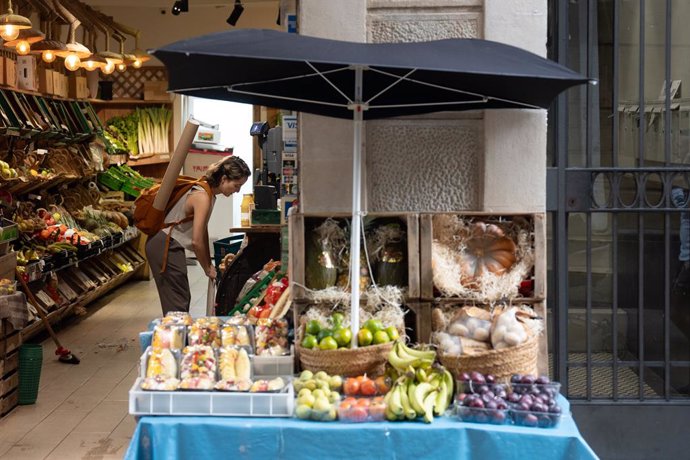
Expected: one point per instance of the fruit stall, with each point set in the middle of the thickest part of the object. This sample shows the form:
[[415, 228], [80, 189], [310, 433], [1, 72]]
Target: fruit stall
[[448, 358]]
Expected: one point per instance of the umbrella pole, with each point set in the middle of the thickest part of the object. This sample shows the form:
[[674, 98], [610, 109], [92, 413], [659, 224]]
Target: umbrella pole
[[357, 117]]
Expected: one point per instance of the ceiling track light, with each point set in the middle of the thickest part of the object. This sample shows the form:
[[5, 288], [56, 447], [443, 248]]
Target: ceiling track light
[[180, 6], [236, 13]]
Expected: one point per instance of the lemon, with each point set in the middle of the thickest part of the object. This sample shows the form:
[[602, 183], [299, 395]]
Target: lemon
[[309, 341], [364, 337], [313, 327], [381, 337], [328, 343], [392, 332]]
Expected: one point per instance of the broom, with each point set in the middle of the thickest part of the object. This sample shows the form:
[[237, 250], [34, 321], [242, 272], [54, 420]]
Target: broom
[[64, 355]]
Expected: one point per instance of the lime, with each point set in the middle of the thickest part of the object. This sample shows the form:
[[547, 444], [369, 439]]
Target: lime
[[364, 337], [309, 341], [392, 332], [374, 325], [381, 337], [337, 319], [324, 333], [328, 343], [313, 327], [342, 336]]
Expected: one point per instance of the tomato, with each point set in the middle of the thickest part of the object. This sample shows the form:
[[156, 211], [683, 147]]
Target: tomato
[[383, 384], [367, 387], [351, 387], [357, 414]]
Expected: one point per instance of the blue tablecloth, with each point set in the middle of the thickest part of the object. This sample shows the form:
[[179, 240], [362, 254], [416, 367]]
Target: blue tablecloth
[[281, 438]]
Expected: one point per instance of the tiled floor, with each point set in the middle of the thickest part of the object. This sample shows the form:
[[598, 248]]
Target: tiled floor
[[81, 411]]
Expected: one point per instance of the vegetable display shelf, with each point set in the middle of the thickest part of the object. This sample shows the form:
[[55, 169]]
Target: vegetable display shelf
[[88, 297]]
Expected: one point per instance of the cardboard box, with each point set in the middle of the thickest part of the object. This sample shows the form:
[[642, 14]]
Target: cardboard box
[[77, 86], [27, 75], [8, 263], [197, 162], [10, 72], [156, 91], [45, 81]]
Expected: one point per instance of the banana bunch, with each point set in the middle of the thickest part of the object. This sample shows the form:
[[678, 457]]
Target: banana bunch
[[55, 248], [423, 388]]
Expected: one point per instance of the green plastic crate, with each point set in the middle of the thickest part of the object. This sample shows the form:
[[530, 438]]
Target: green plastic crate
[[9, 230]]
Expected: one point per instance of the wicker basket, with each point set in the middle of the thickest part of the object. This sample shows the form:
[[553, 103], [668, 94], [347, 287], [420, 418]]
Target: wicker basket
[[502, 364], [347, 362]]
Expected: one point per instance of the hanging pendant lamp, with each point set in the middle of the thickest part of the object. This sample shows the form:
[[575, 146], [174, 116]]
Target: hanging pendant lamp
[[11, 24], [27, 37]]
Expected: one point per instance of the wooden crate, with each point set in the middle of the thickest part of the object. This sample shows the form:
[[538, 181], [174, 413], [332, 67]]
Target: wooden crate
[[298, 223], [421, 323], [9, 363], [10, 339], [9, 383], [426, 230], [8, 402]]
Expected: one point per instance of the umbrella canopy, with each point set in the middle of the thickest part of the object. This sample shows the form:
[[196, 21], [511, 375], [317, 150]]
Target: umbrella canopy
[[361, 81], [316, 75]]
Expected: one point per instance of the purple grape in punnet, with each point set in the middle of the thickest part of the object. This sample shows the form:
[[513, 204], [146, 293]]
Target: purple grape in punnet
[[498, 417], [477, 377], [555, 409], [513, 398], [490, 404], [490, 379], [501, 405], [477, 403], [542, 380], [481, 417], [527, 379], [465, 377], [516, 378], [530, 420], [481, 389], [523, 406]]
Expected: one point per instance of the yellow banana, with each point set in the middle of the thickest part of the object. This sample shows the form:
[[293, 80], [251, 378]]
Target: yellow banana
[[421, 354], [441, 401], [419, 397], [395, 403], [411, 388], [429, 406], [408, 411], [450, 384]]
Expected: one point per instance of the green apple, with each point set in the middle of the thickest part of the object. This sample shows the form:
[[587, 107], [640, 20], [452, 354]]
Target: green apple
[[321, 375], [318, 393], [335, 382], [307, 400], [304, 391], [306, 375], [322, 404], [334, 397], [303, 411]]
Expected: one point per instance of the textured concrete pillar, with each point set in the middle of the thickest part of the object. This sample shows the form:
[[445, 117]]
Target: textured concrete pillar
[[515, 140], [326, 143]]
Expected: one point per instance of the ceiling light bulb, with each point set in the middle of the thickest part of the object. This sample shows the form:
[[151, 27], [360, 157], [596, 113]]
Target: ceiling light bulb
[[90, 65], [109, 68], [48, 56], [9, 32], [137, 63], [122, 67], [72, 62], [23, 47]]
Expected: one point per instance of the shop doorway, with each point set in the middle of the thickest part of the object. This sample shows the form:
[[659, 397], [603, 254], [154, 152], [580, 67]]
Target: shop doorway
[[234, 121], [618, 181]]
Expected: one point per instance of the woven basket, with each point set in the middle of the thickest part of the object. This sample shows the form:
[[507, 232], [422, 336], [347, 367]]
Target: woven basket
[[347, 362], [502, 364]]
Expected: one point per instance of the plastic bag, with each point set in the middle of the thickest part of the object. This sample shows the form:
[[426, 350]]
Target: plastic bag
[[205, 331], [161, 363], [448, 345], [271, 337], [473, 323], [198, 368], [507, 331], [168, 336], [233, 334]]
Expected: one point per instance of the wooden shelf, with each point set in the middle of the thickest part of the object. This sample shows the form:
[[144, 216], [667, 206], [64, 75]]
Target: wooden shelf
[[257, 229], [123, 101], [157, 158]]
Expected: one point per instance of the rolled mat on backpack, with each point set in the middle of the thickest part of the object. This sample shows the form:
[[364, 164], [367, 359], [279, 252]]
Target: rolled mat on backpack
[[175, 166]]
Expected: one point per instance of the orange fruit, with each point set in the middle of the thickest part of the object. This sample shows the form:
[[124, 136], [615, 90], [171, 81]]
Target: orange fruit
[[363, 402], [351, 386], [383, 384], [368, 387]]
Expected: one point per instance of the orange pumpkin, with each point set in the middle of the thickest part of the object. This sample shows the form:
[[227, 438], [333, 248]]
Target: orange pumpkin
[[487, 249]]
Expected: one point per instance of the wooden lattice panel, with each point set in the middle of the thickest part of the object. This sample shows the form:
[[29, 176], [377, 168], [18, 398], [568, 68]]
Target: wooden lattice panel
[[130, 83]]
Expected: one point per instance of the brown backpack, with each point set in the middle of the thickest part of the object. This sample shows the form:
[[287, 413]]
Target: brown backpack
[[150, 220]]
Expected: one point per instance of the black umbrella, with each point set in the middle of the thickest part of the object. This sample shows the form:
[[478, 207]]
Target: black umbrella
[[361, 81]]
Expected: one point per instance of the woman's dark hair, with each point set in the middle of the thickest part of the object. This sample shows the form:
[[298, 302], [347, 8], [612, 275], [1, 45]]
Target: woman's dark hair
[[232, 167]]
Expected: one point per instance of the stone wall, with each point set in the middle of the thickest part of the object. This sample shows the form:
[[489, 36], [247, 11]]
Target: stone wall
[[492, 161]]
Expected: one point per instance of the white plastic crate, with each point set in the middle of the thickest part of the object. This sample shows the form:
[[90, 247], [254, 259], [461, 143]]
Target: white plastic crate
[[216, 403], [273, 366]]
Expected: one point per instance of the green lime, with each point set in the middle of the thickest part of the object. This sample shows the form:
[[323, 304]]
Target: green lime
[[328, 343], [324, 333], [313, 327], [392, 332], [343, 336], [309, 341], [381, 337], [337, 319], [364, 337], [374, 325]]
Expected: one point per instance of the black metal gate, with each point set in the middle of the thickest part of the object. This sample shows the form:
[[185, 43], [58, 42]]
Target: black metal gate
[[619, 225]]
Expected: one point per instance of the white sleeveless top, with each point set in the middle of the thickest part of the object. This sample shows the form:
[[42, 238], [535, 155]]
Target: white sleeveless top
[[183, 232]]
